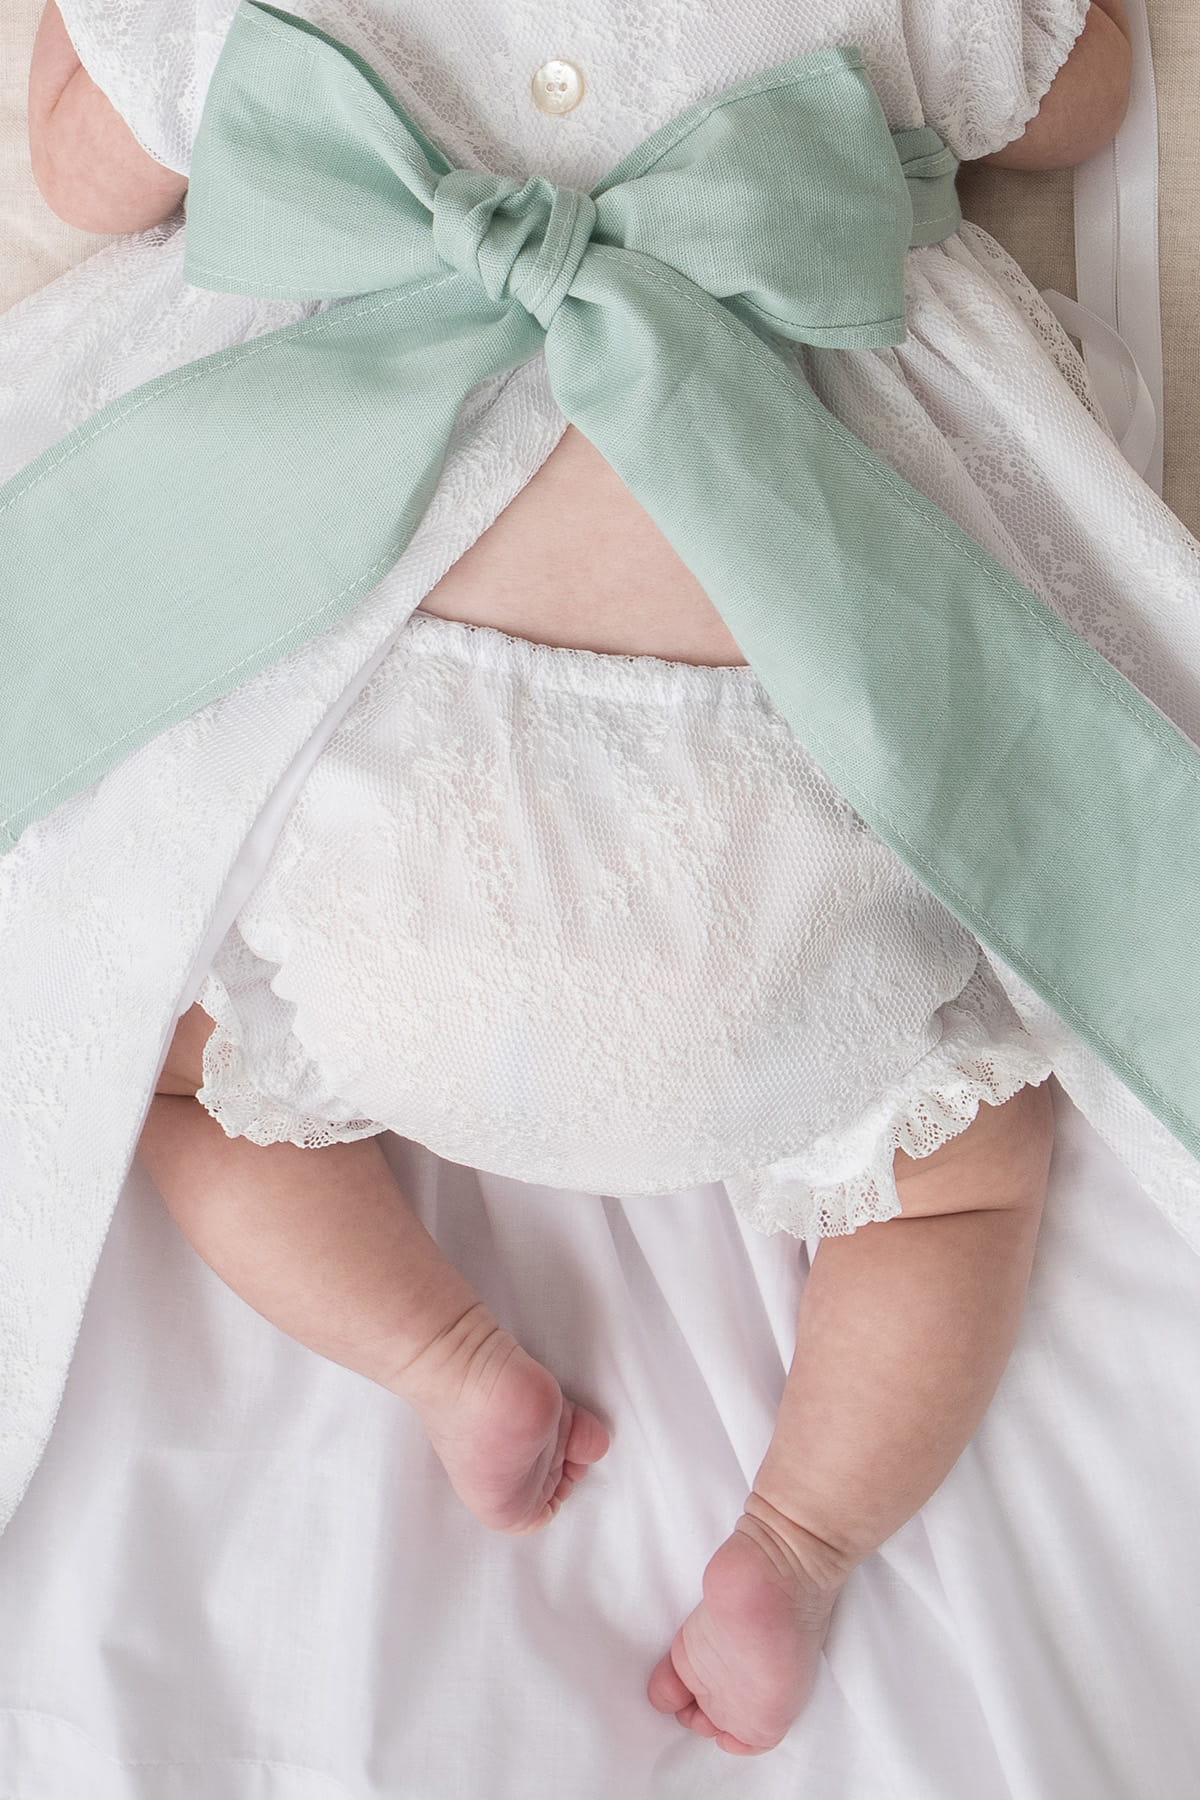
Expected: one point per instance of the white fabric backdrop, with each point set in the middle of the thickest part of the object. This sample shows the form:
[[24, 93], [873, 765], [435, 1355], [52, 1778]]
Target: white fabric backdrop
[[239, 1573]]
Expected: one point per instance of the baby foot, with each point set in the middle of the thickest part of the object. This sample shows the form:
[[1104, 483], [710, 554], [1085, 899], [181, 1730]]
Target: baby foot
[[512, 1444], [741, 1667]]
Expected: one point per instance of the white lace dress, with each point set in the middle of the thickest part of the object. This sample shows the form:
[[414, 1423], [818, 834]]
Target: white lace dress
[[596, 921], [200, 868], [239, 1570]]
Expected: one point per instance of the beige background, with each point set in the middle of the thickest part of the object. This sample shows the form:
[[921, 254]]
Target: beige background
[[1030, 214]]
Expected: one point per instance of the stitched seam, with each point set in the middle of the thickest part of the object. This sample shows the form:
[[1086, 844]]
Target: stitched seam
[[1153, 727], [288, 288], [835, 61], [946, 218], [219, 360], [862, 324]]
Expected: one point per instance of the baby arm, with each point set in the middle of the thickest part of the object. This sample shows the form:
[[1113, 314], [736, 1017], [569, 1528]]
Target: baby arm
[[88, 166], [1086, 101]]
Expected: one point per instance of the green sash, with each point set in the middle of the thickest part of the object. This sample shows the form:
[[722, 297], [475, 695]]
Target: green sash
[[199, 528]]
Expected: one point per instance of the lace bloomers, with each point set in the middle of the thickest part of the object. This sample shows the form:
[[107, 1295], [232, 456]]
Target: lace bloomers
[[599, 922]]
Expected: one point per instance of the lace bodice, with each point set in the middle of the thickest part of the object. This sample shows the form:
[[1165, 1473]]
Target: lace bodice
[[975, 69]]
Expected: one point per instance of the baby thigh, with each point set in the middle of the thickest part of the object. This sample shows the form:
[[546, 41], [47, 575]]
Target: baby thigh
[[1002, 1159]]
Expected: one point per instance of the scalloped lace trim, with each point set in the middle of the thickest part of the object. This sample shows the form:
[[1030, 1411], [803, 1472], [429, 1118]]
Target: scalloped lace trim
[[846, 1179], [839, 1181], [241, 1107]]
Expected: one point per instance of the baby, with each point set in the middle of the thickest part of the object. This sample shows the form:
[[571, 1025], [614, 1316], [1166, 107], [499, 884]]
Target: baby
[[905, 1327]]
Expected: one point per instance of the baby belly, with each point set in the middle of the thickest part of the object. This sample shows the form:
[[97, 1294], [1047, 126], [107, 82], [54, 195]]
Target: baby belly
[[575, 561]]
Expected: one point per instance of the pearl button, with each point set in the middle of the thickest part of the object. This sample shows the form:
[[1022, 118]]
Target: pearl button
[[556, 87]]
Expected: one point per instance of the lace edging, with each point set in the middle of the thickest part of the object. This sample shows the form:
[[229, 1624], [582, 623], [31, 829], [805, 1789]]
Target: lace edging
[[811, 1195], [243, 1110], [839, 1181]]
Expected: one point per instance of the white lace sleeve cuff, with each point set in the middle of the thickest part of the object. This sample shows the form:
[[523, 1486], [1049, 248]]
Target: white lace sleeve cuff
[[845, 1178], [153, 59], [983, 70]]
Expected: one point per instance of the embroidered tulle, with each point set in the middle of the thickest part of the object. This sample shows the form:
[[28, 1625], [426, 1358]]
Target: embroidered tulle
[[845, 1179], [599, 922], [985, 1057]]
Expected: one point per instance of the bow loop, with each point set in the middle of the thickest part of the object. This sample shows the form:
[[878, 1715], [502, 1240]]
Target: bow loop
[[785, 199], [522, 240]]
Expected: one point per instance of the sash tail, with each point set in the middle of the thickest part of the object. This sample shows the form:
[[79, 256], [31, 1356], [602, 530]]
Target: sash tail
[[199, 528], [1049, 805]]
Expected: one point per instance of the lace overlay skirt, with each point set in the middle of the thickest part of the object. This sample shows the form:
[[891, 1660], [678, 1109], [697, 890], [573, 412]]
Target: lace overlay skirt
[[599, 922]]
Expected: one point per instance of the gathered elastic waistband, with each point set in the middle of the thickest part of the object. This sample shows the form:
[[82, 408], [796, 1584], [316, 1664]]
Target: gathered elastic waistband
[[600, 674]]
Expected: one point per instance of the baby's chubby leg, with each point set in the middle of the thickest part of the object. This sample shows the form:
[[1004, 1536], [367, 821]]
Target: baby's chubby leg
[[905, 1329], [324, 1245]]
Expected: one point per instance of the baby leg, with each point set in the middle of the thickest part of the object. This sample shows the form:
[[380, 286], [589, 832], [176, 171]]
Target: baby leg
[[324, 1245], [905, 1329]]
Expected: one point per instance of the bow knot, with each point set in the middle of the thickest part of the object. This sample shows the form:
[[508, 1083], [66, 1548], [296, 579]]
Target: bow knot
[[522, 240]]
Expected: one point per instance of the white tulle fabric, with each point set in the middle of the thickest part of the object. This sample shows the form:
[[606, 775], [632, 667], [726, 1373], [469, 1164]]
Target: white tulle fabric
[[106, 905], [599, 922]]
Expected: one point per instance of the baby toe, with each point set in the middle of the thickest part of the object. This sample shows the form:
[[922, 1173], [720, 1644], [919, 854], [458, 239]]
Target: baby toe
[[697, 1720], [587, 1442], [735, 1746], [666, 1689]]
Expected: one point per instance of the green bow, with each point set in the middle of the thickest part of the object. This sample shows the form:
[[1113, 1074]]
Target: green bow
[[201, 527]]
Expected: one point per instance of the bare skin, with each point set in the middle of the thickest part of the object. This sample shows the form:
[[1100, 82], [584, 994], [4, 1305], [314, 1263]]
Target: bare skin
[[323, 1244]]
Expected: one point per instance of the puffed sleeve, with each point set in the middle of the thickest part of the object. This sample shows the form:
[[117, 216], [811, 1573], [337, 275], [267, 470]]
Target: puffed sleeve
[[983, 67], [153, 59]]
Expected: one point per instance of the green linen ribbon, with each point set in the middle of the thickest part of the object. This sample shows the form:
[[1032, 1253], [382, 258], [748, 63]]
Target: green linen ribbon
[[200, 527]]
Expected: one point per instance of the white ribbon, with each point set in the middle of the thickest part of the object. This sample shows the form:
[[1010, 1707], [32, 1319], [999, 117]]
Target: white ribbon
[[1120, 386], [1118, 313]]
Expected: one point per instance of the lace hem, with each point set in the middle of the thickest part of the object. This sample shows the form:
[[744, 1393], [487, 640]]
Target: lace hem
[[839, 1181], [237, 1103], [1050, 30], [845, 1179]]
